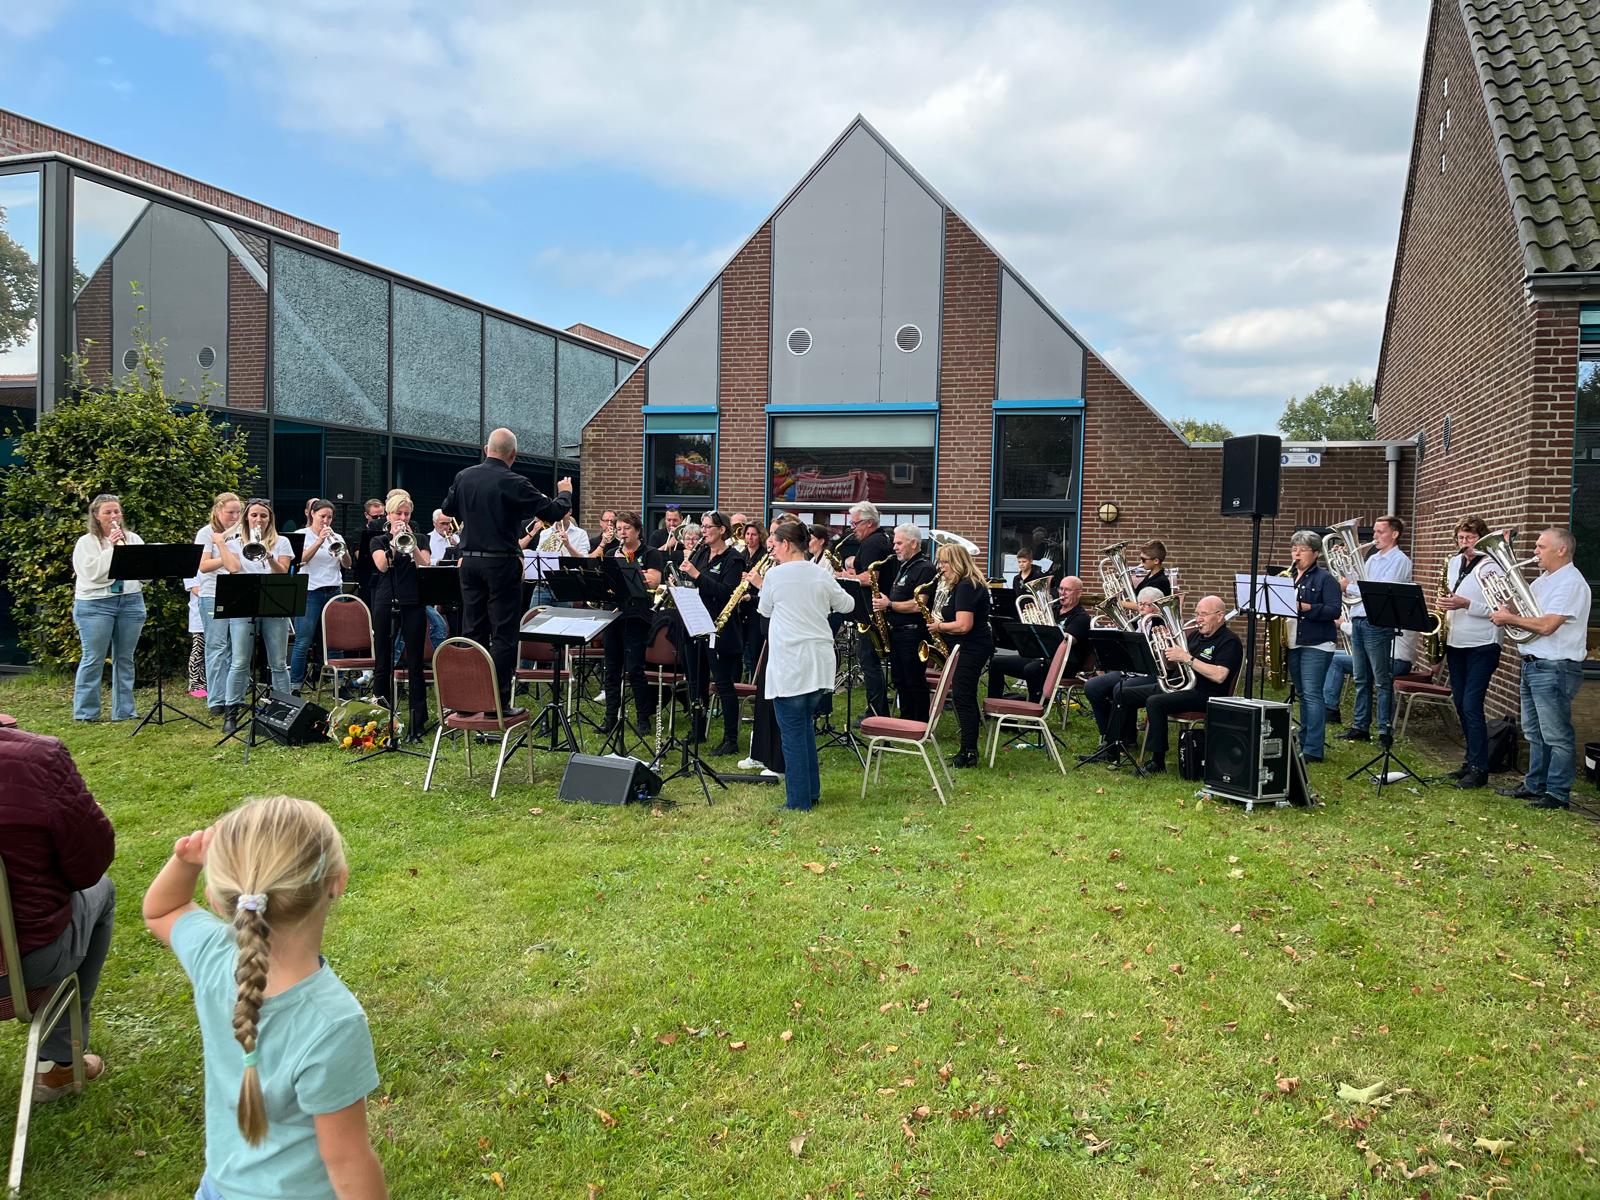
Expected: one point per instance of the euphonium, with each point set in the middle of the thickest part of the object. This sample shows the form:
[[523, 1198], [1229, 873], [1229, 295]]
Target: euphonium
[[1343, 555], [405, 542], [878, 625], [935, 650], [1034, 603], [732, 605], [1161, 633], [1505, 587], [254, 549], [1116, 585]]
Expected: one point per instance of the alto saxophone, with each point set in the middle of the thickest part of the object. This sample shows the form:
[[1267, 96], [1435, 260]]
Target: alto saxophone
[[935, 650], [878, 626], [732, 605]]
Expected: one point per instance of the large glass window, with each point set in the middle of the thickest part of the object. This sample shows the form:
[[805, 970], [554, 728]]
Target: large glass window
[[19, 305], [194, 285], [680, 470], [427, 469], [1586, 475], [253, 431], [437, 367], [519, 385], [822, 464], [1036, 490], [330, 341], [585, 378]]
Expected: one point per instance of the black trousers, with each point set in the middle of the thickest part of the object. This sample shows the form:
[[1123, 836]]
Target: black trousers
[[1101, 694], [625, 645], [725, 673], [413, 624], [872, 676], [491, 603], [964, 692], [910, 676], [1008, 664], [1140, 691]]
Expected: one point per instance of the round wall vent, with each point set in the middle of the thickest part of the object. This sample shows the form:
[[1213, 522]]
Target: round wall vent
[[207, 358], [907, 338], [799, 341], [130, 358]]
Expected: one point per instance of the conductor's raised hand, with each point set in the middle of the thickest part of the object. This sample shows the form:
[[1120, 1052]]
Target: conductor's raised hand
[[564, 484]]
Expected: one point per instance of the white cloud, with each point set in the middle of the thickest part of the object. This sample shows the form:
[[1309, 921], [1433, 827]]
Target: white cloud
[[1192, 180], [618, 272], [30, 18]]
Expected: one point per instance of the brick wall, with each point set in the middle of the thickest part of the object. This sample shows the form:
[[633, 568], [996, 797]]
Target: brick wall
[[20, 135], [1463, 342], [92, 326], [611, 454], [247, 340], [742, 377], [967, 350]]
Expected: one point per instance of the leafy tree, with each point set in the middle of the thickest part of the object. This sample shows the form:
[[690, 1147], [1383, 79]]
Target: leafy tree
[[1197, 430], [19, 290], [126, 438], [1333, 414]]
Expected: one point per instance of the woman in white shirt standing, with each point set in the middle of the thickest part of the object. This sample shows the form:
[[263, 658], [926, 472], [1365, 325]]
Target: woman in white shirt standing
[[109, 613], [259, 526], [324, 571], [1472, 648], [215, 558], [797, 595]]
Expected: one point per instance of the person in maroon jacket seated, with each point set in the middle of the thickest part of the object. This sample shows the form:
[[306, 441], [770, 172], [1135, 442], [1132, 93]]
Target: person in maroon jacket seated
[[56, 844]]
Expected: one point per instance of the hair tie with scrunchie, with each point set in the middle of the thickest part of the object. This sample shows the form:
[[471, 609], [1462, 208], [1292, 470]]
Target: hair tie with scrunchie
[[249, 1058], [255, 902]]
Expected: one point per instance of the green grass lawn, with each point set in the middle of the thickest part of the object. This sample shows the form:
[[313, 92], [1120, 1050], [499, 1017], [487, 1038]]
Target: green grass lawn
[[1090, 986]]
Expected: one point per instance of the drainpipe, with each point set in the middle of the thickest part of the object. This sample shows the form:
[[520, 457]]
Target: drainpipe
[[1391, 455]]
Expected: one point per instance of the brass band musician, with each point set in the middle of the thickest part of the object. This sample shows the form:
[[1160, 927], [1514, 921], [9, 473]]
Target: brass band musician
[[874, 545], [963, 620], [1073, 619], [1472, 648], [906, 628], [627, 637], [715, 568]]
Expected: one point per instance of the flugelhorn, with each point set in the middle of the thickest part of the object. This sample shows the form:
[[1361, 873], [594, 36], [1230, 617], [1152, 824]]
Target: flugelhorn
[[334, 544], [405, 542], [254, 549]]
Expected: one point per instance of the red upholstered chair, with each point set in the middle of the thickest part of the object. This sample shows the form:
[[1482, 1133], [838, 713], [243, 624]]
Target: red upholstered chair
[[346, 638], [1025, 714], [1423, 688], [41, 1010], [895, 735], [1075, 683], [661, 667], [468, 692]]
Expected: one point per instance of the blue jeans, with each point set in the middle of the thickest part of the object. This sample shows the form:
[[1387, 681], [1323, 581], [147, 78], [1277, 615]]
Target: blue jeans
[[1333, 689], [275, 636], [1373, 651], [107, 626], [802, 772], [306, 629], [219, 654], [1310, 672], [1548, 689], [1471, 668]]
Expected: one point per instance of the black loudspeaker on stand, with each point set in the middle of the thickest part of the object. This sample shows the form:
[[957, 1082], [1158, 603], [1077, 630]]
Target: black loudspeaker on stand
[[608, 779], [1251, 475], [290, 721]]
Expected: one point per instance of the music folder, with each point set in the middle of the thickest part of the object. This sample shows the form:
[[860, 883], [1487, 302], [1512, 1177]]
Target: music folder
[[155, 560]]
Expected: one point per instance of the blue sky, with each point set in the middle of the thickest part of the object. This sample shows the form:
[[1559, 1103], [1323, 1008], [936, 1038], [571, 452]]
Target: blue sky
[[1210, 194]]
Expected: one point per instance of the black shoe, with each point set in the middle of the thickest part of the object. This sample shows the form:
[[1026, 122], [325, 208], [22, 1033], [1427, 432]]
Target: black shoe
[[1463, 769], [1469, 779], [1335, 717], [1520, 792], [1548, 801], [965, 758], [1355, 735], [230, 722], [1311, 758], [1157, 765], [724, 748]]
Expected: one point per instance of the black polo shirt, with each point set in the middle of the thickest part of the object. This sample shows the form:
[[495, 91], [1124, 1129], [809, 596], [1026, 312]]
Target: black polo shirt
[[907, 580], [967, 596], [1222, 648], [495, 504], [1157, 580], [875, 546], [1076, 623], [400, 580]]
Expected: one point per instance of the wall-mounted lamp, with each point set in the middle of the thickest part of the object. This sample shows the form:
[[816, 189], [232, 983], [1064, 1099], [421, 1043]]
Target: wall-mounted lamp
[[1109, 513]]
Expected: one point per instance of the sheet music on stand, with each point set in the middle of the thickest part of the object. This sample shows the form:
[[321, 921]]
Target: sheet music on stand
[[697, 620], [536, 564], [1266, 595]]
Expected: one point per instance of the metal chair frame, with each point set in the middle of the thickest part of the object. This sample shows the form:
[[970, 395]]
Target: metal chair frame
[[1039, 723], [506, 727], [330, 665], [888, 743]]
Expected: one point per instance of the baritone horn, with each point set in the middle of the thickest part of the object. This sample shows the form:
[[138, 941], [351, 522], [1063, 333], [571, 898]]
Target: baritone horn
[[1035, 604], [1504, 587]]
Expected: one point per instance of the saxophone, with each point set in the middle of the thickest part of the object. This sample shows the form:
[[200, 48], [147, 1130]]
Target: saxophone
[[1437, 638], [1278, 643], [935, 650], [878, 626], [739, 592]]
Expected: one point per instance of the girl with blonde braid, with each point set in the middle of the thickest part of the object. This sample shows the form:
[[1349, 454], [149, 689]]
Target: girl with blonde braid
[[288, 1056]]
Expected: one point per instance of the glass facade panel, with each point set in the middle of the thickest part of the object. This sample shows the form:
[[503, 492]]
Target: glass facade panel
[[1038, 457], [19, 306], [427, 469], [831, 462], [519, 385], [584, 380], [330, 341], [197, 286], [1048, 534], [437, 367], [1036, 491]]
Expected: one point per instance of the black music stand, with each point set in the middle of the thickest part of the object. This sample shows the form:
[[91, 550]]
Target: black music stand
[[579, 581], [147, 563], [624, 589], [560, 628], [435, 585], [1392, 606], [1126, 651], [297, 548], [831, 734], [1031, 641], [245, 597], [1268, 596], [689, 610]]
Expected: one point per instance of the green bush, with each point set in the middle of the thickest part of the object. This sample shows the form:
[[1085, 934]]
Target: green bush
[[128, 439]]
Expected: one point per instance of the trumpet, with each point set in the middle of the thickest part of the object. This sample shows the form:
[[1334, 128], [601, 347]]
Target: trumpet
[[254, 549], [334, 544], [405, 542]]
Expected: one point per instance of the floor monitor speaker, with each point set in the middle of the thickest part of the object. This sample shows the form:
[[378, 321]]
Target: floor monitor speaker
[[291, 721], [1251, 469], [608, 779], [1248, 749]]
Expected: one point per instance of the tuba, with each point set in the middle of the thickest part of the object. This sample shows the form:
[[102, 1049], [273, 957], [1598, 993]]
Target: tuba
[[1034, 603], [1504, 587], [1161, 633], [254, 549], [1116, 585]]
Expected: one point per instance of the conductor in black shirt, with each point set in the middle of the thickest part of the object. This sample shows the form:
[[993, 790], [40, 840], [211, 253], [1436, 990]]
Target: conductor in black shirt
[[872, 546], [494, 505]]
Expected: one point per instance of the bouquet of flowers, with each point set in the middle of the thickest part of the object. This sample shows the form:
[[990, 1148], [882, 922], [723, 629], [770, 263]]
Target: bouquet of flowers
[[360, 727]]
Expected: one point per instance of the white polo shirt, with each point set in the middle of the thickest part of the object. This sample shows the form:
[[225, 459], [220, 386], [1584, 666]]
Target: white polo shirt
[[1563, 591]]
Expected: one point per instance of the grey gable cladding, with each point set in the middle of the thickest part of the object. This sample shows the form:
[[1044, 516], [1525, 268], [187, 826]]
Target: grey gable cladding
[[1538, 63]]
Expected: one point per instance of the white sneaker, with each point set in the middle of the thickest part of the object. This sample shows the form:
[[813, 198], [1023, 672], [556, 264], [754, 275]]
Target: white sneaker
[[772, 774], [602, 694], [748, 764]]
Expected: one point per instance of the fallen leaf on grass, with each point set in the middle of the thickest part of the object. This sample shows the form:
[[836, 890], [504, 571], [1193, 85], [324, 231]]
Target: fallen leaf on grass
[[815, 868], [1367, 1095], [1236, 873], [1284, 1000], [606, 1118], [536, 812], [498, 1180], [666, 1039], [797, 1143], [945, 1072], [736, 1045], [1000, 1139], [1495, 1146], [595, 1189], [786, 1036], [1287, 1085]]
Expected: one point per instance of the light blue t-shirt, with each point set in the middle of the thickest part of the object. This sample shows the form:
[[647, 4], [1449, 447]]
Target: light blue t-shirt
[[315, 1056]]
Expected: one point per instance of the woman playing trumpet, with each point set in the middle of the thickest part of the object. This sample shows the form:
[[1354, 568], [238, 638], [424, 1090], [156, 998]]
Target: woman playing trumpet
[[109, 613], [256, 548], [323, 560], [226, 510], [397, 607]]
